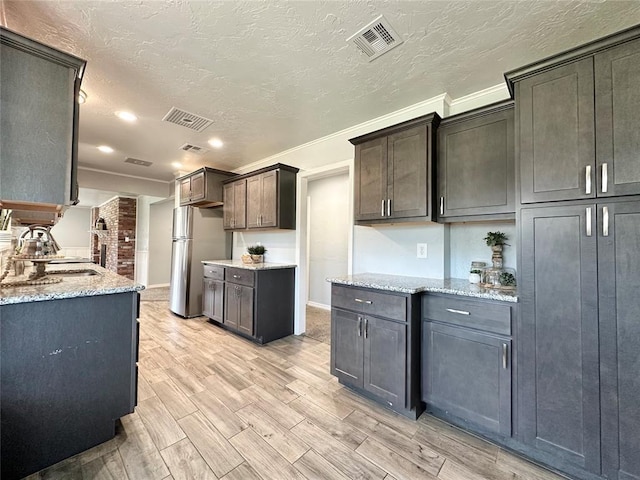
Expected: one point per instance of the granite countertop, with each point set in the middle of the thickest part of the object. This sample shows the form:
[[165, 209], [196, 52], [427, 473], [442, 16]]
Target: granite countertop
[[249, 266], [402, 284], [105, 283]]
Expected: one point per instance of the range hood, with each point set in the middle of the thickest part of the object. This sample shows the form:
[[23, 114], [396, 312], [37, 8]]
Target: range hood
[[30, 213]]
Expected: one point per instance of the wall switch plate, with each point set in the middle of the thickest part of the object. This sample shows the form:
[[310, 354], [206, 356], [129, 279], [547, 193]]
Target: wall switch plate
[[422, 250]]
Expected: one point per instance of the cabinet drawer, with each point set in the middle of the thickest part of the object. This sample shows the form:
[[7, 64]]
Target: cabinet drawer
[[368, 302], [215, 272], [240, 276], [487, 316]]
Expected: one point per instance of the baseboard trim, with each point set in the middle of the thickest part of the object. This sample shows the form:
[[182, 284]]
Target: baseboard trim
[[319, 305]]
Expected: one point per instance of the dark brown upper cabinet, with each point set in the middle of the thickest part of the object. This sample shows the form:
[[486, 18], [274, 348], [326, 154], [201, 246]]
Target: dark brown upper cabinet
[[264, 199], [39, 124], [476, 156], [203, 187], [577, 122], [394, 172]]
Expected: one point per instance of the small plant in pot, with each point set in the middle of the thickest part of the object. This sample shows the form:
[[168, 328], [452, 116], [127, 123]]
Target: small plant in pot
[[255, 254], [496, 239]]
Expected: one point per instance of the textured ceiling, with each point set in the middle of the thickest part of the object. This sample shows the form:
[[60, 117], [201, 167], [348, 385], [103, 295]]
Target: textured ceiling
[[274, 75]]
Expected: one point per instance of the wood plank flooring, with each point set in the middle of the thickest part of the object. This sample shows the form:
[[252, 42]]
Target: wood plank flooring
[[212, 405]]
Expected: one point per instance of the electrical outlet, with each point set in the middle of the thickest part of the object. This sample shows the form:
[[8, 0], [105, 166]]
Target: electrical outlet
[[422, 250]]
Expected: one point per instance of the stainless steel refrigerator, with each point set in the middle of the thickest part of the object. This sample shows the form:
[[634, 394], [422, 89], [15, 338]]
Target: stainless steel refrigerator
[[197, 235]]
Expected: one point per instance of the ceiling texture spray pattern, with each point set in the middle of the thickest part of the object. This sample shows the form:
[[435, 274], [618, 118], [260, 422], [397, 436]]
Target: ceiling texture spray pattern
[[273, 74]]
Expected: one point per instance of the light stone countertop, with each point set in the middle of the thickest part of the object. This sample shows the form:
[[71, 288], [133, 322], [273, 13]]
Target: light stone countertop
[[402, 284], [81, 286], [249, 266]]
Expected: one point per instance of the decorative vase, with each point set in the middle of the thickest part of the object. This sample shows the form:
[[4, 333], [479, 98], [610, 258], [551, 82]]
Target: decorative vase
[[246, 258], [257, 258]]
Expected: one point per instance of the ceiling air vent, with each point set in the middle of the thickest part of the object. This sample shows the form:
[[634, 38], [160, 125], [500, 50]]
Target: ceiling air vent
[[186, 119], [189, 147], [376, 38], [135, 161]]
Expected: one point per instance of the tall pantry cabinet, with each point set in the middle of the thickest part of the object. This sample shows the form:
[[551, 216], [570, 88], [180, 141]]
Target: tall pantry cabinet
[[577, 117]]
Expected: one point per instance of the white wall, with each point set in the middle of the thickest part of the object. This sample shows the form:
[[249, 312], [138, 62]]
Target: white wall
[[328, 232], [280, 244], [393, 250], [142, 237], [72, 232]]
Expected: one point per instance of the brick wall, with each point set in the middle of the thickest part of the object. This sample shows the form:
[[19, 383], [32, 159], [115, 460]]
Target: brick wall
[[120, 217]]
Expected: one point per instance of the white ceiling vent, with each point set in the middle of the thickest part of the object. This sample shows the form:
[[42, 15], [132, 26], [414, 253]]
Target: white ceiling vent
[[186, 119], [191, 148], [135, 161], [376, 38]]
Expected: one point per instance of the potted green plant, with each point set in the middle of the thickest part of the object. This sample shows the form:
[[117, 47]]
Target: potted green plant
[[495, 239], [256, 253]]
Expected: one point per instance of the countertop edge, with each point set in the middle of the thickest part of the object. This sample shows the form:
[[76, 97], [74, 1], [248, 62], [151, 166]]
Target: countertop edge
[[386, 286], [63, 295], [248, 266]]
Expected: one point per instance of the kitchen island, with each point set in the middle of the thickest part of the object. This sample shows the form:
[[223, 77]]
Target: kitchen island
[[68, 371], [255, 300]]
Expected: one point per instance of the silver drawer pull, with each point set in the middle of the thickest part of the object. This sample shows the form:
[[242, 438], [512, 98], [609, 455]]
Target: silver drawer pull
[[359, 300], [382, 208], [236, 276], [605, 221], [461, 312], [588, 221], [587, 174], [605, 178]]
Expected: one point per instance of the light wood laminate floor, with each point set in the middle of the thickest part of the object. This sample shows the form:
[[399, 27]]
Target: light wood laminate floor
[[212, 405]]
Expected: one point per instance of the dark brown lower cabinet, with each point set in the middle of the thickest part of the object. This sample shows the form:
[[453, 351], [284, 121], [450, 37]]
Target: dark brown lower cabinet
[[256, 303], [578, 382], [213, 299], [238, 311], [377, 356], [466, 361]]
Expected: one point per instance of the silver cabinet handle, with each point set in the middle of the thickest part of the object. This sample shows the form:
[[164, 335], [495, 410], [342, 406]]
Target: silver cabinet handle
[[605, 178], [359, 326], [505, 355], [359, 300], [605, 221], [441, 205], [587, 187], [388, 207], [236, 276], [382, 208], [588, 221], [461, 312], [366, 328], [260, 219]]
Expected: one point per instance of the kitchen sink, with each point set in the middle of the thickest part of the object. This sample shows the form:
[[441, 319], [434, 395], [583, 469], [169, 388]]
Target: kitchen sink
[[84, 272]]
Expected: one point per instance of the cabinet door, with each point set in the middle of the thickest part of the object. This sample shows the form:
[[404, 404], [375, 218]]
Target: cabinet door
[[408, 174], [385, 360], [185, 191], [370, 182], [619, 284], [558, 385], [475, 166], [240, 204], [254, 201], [617, 74], [197, 186], [556, 134], [228, 205], [347, 347], [468, 374], [231, 305], [214, 300], [269, 199], [245, 315], [37, 123]]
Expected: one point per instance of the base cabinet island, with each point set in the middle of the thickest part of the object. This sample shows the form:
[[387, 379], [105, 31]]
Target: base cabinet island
[[68, 372], [255, 300]]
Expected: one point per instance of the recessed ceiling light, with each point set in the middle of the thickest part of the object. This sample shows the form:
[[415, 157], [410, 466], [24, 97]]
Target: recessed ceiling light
[[105, 149], [216, 143], [176, 164], [126, 116], [82, 97]]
